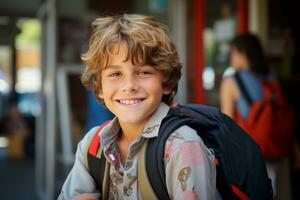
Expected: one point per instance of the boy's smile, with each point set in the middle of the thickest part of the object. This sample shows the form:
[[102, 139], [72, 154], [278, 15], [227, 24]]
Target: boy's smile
[[130, 102], [131, 92]]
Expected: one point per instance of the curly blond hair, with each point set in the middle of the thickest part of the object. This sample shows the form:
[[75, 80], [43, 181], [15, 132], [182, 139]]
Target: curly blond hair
[[146, 39]]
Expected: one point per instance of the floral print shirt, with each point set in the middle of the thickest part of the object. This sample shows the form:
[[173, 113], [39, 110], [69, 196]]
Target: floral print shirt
[[189, 164]]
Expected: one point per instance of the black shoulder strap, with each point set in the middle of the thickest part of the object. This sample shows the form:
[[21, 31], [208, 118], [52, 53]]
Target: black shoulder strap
[[97, 168], [155, 165], [242, 88]]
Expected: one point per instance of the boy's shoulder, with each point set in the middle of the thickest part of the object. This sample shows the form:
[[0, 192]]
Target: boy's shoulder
[[104, 127], [183, 135], [86, 140]]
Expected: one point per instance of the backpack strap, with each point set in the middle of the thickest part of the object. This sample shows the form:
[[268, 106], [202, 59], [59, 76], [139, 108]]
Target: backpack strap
[[144, 184], [243, 89], [97, 164], [155, 160]]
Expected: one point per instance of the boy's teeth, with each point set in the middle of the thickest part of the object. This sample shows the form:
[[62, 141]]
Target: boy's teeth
[[129, 102]]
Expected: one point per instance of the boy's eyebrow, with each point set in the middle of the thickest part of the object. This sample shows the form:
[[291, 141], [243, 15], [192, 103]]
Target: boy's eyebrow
[[118, 66], [111, 67]]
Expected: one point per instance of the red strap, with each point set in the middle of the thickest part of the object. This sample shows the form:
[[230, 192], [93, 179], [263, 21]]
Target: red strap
[[216, 162], [239, 193], [94, 145]]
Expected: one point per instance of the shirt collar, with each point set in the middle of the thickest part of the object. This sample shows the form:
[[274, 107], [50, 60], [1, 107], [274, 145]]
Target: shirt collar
[[152, 126], [111, 131]]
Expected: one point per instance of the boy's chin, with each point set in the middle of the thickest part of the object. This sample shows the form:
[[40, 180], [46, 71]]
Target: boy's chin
[[132, 120]]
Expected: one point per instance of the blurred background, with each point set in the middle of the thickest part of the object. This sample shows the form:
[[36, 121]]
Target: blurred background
[[45, 111]]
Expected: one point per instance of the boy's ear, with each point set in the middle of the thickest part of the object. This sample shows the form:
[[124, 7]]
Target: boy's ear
[[167, 91], [100, 94]]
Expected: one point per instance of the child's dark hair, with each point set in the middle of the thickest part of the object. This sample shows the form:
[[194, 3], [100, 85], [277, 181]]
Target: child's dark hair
[[146, 39], [250, 45]]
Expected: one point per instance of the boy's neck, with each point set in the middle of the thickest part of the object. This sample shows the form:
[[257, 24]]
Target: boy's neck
[[127, 136], [130, 131]]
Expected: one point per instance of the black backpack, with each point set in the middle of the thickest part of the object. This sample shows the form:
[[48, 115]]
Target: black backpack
[[241, 170]]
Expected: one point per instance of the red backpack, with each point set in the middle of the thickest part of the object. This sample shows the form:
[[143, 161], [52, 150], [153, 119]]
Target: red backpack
[[270, 121]]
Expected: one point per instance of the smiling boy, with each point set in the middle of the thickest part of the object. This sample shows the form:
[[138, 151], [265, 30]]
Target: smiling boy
[[133, 68]]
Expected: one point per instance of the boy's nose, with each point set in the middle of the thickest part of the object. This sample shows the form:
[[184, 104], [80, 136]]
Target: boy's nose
[[130, 85]]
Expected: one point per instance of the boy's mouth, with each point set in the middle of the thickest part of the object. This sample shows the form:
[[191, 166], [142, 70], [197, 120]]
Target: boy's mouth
[[130, 101]]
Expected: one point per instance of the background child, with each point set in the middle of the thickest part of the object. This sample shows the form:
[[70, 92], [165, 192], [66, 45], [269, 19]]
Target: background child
[[248, 59], [133, 68], [249, 62]]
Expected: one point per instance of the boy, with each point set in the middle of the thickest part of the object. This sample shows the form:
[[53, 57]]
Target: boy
[[133, 68]]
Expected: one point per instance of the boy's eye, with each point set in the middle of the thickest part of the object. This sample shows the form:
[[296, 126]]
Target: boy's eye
[[145, 72], [114, 74]]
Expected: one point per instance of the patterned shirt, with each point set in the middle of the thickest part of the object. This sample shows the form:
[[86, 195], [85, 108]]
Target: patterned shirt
[[189, 164]]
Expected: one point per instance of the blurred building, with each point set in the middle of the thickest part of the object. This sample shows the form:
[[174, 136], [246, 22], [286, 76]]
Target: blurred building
[[42, 73]]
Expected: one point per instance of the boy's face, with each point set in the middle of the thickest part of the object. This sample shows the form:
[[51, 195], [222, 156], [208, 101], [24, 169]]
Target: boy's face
[[131, 92]]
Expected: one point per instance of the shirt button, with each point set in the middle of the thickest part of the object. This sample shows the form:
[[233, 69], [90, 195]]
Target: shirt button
[[112, 157], [128, 191]]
